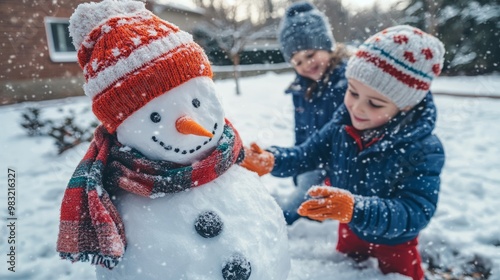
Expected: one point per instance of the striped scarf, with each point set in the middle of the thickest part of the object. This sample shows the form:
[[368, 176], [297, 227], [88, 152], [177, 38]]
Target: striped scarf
[[90, 227]]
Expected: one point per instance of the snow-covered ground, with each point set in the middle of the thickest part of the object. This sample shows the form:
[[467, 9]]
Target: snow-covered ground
[[464, 230]]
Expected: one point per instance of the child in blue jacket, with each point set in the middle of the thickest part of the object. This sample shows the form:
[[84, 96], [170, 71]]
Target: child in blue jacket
[[318, 88], [384, 162]]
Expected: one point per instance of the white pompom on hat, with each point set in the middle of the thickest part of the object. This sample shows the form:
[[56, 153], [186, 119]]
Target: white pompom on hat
[[90, 15], [399, 62]]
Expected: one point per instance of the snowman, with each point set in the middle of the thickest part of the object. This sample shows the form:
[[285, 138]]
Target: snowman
[[159, 193]]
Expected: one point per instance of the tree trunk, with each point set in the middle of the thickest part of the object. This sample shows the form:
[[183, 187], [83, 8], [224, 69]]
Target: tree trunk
[[236, 72], [432, 21]]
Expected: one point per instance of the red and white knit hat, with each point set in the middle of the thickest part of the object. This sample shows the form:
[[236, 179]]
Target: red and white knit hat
[[129, 56], [398, 62]]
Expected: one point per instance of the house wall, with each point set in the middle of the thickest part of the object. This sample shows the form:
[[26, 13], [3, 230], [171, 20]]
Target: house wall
[[25, 54], [186, 21]]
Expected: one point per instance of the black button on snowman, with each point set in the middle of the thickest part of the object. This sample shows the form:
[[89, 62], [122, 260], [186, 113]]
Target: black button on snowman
[[209, 225], [237, 268]]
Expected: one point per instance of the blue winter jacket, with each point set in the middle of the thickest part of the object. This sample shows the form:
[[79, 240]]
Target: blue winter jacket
[[311, 115], [395, 181]]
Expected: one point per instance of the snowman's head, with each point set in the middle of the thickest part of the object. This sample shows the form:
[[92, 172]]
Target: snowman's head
[[135, 64], [183, 125]]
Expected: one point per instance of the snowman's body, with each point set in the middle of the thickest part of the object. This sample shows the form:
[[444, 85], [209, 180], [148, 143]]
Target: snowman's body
[[150, 83], [227, 229], [164, 244]]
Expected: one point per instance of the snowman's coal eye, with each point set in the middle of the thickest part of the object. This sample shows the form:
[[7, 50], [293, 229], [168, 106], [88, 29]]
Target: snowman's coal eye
[[155, 117], [196, 103]]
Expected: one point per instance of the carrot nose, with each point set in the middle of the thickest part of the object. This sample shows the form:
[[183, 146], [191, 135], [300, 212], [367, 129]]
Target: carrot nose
[[187, 125]]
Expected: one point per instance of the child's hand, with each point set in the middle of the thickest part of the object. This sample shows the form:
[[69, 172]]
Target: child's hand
[[258, 160], [328, 203]]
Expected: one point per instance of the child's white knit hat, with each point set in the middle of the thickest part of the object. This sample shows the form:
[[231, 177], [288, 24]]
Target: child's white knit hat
[[398, 62]]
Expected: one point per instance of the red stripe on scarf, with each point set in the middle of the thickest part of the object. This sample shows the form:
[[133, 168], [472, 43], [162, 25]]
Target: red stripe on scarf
[[72, 204], [97, 210], [105, 224], [135, 182], [201, 176]]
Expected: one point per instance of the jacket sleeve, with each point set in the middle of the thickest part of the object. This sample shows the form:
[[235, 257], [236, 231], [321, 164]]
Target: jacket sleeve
[[414, 177], [315, 152], [297, 91], [300, 122]]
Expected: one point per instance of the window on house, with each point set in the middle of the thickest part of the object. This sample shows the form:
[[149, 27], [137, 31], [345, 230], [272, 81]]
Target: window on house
[[60, 45]]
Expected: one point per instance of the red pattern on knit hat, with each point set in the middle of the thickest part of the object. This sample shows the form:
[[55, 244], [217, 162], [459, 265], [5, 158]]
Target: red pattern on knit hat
[[409, 56], [385, 66], [399, 63], [130, 59], [436, 68], [418, 32], [400, 39], [101, 55], [428, 53]]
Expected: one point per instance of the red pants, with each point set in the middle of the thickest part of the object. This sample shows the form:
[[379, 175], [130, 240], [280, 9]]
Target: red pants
[[402, 258]]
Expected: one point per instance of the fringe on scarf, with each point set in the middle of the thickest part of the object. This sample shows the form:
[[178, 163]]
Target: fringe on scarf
[[94, 258]]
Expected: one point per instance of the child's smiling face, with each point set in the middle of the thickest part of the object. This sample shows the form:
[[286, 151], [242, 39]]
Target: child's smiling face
[[367, 107], [311, 64]]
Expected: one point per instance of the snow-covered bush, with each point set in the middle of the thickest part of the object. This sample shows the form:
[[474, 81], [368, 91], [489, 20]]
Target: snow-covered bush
[[67, 129]]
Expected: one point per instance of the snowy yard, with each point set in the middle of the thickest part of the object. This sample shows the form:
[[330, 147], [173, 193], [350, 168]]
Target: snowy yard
[[464, 235]]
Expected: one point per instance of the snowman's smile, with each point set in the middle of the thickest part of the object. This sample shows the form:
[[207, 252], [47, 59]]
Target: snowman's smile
[[169, 147]]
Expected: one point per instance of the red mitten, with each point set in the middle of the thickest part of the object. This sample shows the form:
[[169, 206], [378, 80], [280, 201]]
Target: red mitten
[[258, 160], [328, 203]]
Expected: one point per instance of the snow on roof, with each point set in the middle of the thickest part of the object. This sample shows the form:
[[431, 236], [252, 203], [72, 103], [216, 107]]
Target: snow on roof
[[166, 4]]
